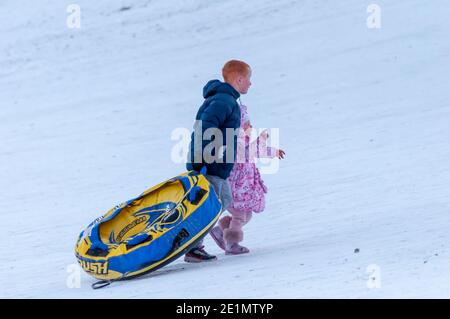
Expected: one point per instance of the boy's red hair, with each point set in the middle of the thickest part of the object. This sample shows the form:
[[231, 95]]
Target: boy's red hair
[[233, 68]]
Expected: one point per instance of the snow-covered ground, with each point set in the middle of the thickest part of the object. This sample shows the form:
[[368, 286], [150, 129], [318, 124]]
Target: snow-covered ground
[[364, 116]]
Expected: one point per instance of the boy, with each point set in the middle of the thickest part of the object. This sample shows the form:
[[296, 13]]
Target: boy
[[219, 111]]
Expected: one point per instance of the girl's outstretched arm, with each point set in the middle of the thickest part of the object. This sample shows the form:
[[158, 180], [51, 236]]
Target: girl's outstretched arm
[[259, 149]]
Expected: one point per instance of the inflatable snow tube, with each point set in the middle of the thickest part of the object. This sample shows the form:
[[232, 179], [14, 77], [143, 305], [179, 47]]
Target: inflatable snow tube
[[148, 232]]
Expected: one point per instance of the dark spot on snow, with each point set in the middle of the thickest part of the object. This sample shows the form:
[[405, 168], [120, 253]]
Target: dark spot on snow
[[356, 250], [125, 8]]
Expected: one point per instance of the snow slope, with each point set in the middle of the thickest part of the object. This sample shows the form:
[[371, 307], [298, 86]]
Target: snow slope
[[87, 115]]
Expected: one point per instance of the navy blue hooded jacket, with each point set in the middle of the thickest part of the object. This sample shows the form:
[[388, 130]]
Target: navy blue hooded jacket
[[219, 110]]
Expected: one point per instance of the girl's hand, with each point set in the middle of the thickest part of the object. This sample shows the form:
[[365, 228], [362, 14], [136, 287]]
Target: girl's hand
[[280, 154], [264, 135], [248, 128]]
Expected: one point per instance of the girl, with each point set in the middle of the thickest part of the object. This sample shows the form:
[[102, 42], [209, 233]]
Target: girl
[[247, 187]]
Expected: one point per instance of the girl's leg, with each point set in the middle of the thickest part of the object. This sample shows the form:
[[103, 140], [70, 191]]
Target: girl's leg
[[217, 231], [224, 222], [248, 216], [229, 229], [234, 234]]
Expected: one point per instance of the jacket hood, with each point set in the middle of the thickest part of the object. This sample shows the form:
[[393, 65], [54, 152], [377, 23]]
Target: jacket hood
[[215, 86]]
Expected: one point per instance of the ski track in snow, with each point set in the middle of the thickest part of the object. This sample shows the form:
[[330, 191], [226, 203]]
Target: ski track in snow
[[363, 114]]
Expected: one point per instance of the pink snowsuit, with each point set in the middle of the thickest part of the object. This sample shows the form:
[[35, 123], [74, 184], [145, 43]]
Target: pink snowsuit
[[247, 187]]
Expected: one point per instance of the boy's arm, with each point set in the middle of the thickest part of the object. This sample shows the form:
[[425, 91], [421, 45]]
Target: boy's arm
[[214, 117]]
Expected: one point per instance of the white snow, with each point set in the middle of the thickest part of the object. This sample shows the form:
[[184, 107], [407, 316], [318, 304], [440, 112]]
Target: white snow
[[87, 114]]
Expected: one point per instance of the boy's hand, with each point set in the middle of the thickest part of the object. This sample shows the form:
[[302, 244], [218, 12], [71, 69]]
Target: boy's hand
[[280, 154]]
